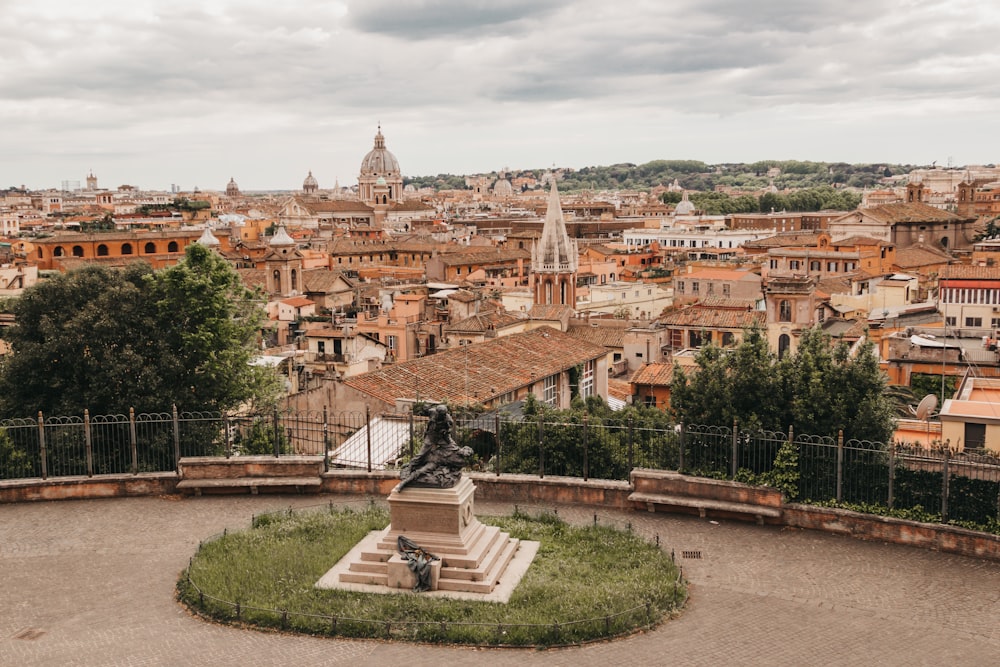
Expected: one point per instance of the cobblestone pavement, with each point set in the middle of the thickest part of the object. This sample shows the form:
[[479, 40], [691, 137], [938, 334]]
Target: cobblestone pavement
[[92, 583]]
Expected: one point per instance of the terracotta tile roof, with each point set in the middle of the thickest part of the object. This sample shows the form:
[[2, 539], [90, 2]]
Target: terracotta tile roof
[[484, 256], [298, 302], [659, 374], [549, 312], [834, 285], [966, 272], [919, 255], [253, 278], [484, 322], [711, 273], [786, 240], [724, 302], [713, 318], [322, 281], [489, 369], [335, 206], [911, 212], [600, 334], [412, 205], [852, 241], [619, 389]]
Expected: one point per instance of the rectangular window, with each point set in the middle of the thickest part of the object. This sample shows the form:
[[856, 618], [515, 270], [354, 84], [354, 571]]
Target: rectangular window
[[773, 264], [973, 321], [549, 392], [587, 379], [725, 289], [694, 287], [949, 321], [390, 342], [680, 287]]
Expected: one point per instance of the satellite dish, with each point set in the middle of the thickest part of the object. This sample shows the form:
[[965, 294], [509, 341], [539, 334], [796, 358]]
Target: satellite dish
[[926, 406]]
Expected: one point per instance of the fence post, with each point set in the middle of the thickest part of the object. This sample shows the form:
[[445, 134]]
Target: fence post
[[277, 434], [944, 486], [892, 472], [541, 450], [735, 455], [87, 443], [43, 452], [496, 435], [368, 435], [631, 445], [840, 465], [680, 460], [326, 440], [132, 441], [177, 440], [585, 443], [229, 435], [798, 459], [413, 406]]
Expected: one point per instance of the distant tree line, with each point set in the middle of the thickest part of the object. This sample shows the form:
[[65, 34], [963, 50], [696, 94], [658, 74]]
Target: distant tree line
[[808, 199]]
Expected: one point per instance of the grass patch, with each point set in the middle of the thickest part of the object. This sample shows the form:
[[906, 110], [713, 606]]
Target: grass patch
[[585, 583]]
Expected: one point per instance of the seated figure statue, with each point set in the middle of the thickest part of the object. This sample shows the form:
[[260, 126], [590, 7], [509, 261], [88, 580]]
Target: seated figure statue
[[440, 461]]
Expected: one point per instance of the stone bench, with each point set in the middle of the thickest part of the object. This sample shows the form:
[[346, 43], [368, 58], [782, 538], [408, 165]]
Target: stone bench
[[250, 473], [660, 488]]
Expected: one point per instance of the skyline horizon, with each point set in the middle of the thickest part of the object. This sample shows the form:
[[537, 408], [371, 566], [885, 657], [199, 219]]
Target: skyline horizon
[[352, 181]]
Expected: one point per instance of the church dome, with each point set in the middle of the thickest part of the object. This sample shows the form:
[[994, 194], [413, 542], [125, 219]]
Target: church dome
[[310, 184], [684, 206], [281, 238], [379, 160], [503, 188], [232, 189], [380, 180]]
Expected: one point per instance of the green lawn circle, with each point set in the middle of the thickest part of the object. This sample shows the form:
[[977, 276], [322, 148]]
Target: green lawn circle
[[586, 583]]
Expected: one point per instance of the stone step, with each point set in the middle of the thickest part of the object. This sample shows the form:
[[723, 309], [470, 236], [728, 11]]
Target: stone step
[[486, 564], [368, 566], [364, 578], [489, 580]]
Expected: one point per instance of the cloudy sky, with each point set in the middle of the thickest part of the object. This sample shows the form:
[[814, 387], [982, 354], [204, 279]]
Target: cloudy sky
[[151, 93]]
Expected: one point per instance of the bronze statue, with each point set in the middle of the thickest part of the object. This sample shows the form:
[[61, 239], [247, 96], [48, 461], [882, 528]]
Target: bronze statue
[[440, 461], [418, 560]]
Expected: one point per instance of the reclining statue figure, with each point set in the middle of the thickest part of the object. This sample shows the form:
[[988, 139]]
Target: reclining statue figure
[[440, 461]]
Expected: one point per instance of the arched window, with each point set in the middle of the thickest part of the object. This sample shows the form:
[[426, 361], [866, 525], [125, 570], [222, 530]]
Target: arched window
[[785, 311], [784, 342], [172, 246], [126, 248], [78, 251], [102, 250], [57, 251], [295, 282], [277, 280], [149, 248], [41, 253]]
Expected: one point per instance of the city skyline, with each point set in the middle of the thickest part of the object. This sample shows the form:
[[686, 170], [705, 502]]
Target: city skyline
[[194, 94]]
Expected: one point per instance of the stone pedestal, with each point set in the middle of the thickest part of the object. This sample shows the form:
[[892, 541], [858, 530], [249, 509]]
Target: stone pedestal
[[442, 522]]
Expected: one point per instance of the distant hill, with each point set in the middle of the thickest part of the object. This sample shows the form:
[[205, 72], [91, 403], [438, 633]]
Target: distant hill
[[696, 175]]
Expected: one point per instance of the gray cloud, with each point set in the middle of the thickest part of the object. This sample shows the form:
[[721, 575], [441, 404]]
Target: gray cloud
[[251, 76]]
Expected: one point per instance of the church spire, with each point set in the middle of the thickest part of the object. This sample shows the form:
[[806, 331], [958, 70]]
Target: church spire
[[554, 258]]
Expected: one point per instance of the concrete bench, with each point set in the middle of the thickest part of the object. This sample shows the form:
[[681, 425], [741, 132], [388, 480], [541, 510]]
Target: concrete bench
[[661, 488], [254, 473], [254, 484]]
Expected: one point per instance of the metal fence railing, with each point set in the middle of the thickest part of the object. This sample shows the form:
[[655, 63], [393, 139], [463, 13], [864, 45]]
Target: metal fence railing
[[939, 483]]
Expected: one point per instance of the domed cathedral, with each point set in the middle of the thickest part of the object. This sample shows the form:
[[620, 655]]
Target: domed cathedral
[[554, 259], [232, 190], [380, 171], [283, 264], [310, 185]]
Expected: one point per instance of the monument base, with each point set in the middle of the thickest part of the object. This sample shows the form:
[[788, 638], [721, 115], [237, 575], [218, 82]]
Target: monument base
[[474, 557]]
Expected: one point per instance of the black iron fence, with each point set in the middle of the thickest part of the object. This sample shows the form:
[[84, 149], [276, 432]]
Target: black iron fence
[[932, 484]]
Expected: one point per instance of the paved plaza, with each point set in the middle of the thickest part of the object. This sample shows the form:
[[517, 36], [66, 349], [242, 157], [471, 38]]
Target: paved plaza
[[92, 583]]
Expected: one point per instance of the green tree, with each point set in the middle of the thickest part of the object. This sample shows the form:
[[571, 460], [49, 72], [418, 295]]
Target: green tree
[[108, 340], [819, 390]]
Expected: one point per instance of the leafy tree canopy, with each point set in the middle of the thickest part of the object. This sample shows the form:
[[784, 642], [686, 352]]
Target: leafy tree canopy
[[109, 340], [820, 389]]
